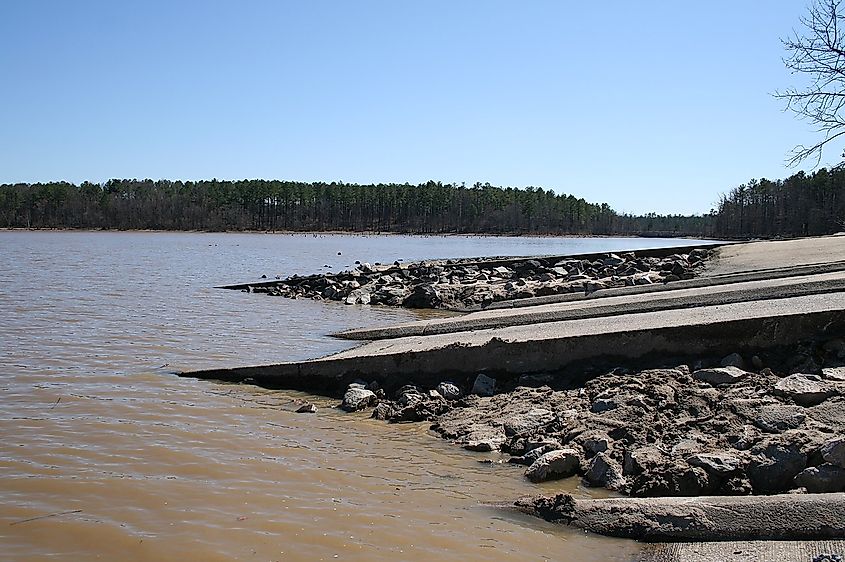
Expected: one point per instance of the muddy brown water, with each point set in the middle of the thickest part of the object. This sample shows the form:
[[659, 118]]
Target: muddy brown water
[[107, 455]]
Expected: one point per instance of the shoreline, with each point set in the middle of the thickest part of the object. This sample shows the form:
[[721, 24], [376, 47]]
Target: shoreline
[[700, 390], [365, 233], [686, 427]]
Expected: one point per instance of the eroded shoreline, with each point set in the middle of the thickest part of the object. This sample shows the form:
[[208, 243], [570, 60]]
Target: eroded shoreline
[[761, 424]]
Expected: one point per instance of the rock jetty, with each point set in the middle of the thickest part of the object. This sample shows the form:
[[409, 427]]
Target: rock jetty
[[738, 425], [470, 285]]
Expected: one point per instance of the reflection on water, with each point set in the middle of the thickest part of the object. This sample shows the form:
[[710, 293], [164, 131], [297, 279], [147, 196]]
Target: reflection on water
[[120, 460]]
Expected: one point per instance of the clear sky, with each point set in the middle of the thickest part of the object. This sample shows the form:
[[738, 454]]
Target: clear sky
[[648, 106]]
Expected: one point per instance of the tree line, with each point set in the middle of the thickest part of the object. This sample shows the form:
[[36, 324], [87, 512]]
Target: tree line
[[801, 205], [804, 204], [431, 207]]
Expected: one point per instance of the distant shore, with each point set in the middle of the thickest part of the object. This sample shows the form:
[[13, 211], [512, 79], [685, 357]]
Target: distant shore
[[366, 233]]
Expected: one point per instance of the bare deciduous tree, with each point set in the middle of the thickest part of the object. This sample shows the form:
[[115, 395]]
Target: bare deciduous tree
[[819, 54]]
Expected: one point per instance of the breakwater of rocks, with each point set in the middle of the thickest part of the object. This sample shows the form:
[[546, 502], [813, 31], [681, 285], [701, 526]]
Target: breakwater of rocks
[[474, 284], [743, 424]]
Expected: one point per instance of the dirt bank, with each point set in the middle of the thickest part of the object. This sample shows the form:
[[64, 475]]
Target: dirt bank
[[738, 425]]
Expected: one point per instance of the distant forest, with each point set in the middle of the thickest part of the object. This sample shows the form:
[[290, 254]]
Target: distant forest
[[803, 204]]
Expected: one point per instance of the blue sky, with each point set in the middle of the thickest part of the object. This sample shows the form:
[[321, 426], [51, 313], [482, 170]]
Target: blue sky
[[648, 106]]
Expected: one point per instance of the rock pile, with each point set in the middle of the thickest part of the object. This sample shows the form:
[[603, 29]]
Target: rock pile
[[464, 285], [682, 431]]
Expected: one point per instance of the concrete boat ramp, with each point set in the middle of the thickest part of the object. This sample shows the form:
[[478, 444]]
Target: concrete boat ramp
[[756, 295]]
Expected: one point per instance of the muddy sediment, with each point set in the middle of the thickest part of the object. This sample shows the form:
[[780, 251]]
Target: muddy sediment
[[737, 425], [474, 284]]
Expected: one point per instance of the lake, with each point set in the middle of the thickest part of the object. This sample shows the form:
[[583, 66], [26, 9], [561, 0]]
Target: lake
[[106, 454]]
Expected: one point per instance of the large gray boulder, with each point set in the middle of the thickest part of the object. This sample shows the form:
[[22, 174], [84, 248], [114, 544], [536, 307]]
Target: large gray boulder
[[530, 420], [561, 463], [594, 443], [423, 296], [733, 360], [806, 390], [720, 375], [484, 385], [358, 296], [448, 390], [823, 478], [409, 395], [834, 451], [716, 463], [384, 411], [774, 465], [390, 295], [357, 398], [639, 460], [775, 418], [604, 471], [612, 261], [834, 373]]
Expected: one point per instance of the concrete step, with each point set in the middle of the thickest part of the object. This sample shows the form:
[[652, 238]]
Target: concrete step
[[613, 305], [555, 346], [710, 278], [703, 518]]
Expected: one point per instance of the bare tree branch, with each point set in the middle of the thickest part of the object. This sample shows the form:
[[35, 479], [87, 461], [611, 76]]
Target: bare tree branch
[[818, 53]]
